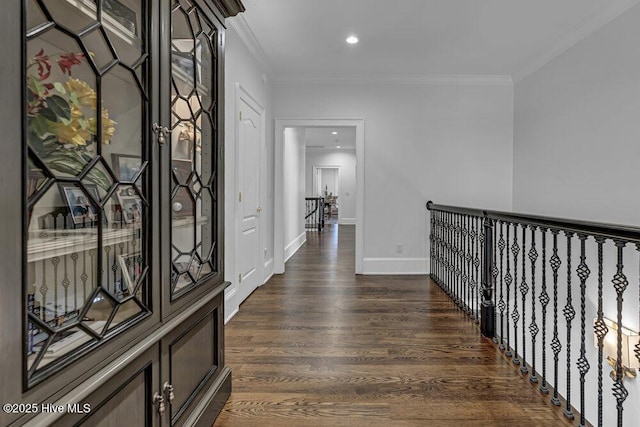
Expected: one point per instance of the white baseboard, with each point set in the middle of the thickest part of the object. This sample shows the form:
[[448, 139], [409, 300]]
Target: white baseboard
[[347, 221], [293, 247], [268, 270], [229, 316], [395, 266], [230, 304]]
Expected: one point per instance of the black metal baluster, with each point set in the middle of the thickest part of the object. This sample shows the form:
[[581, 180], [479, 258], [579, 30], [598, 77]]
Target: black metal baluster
[[461, 263], [443, 252], [569, 314], [471, 266], [44, 289], [555, 342], [524, 288], [107, 249], [452, 271], [637, 346], [600, 328], [452, 287], [448, 252], [544, 300], [583, 364], [465, 260], [620, 284], [65, 284], [469, 263], [476, 264], [508, 280], [458, 272], [432, 263], [84, 276], [94, 276], [438, 248], [55, 261], [494, 275], [533, 326], [441, 255], [481, 238], [515, 316], [74, 258], [120, 285], [501, 304]]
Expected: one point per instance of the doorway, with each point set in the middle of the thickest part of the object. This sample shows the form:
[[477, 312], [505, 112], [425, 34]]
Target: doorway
[[279, 190], [326, 184]]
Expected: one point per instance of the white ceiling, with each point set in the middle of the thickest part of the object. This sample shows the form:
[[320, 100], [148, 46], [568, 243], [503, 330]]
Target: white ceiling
[[321, 138], [419, 37]]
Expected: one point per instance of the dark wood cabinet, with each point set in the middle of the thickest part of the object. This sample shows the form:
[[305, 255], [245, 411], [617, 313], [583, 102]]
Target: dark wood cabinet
[[112, 214]]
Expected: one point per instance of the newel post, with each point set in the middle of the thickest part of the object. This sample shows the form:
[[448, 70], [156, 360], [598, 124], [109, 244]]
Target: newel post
[[487, 312]]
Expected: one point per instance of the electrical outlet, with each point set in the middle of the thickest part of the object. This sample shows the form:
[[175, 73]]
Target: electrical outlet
[[399, 248]]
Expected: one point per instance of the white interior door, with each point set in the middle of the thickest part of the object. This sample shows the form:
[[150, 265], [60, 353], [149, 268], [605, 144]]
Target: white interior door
[[248, 202]]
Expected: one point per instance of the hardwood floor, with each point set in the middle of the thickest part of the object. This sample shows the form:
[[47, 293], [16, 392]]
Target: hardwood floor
[[320, 346]]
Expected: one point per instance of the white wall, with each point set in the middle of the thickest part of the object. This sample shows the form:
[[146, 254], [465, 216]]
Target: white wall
[[577, 129], [294, 188], [242, 67], [451, 143], [346, 159]]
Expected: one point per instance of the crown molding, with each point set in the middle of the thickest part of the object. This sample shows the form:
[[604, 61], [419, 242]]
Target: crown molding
[[592, 23], [408, 79], [229, 7], [241, 27]]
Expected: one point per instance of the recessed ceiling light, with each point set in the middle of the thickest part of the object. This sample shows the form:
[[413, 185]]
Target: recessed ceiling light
[[334, 133], [337, 146], [352, 40]]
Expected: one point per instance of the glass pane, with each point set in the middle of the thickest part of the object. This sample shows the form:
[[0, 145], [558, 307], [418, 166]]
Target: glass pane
[[125, 311], [192, 146], [61, 104], [122, 21], [124, 130], [36, 17], [63, 343], [86, 254], [73, 19]]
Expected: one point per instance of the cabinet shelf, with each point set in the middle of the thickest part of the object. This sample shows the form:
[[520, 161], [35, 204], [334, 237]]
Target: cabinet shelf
[[185, 222], [47, 244]]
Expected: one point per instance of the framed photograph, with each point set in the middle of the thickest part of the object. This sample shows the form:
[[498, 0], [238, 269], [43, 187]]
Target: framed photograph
[[125, 166], [131, 271], [130, 205], [82, 210]]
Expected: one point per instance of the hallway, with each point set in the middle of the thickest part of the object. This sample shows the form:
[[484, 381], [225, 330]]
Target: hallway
[[319, 346]]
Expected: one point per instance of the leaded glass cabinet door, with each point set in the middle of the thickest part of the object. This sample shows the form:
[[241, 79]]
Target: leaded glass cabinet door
[[194, 149], [87, 172]]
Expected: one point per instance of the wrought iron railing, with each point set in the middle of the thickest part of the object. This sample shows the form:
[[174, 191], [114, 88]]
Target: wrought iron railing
[[314, 213], [526, 278], [62, 263]]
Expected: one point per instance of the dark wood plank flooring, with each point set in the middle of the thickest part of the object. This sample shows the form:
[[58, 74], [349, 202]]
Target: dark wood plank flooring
[[319, 346]]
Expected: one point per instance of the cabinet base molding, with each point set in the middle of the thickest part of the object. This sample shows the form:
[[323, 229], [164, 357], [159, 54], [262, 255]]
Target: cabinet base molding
[[211, 404]]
